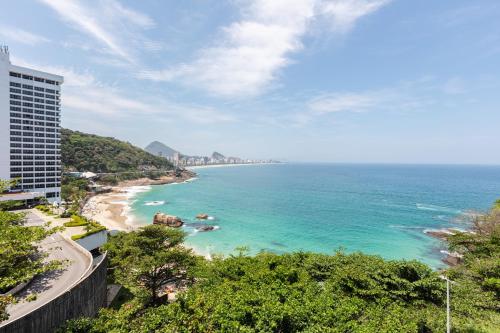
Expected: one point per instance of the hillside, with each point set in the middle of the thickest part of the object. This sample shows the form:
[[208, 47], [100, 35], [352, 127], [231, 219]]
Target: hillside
[[159, 149], [89, 152]]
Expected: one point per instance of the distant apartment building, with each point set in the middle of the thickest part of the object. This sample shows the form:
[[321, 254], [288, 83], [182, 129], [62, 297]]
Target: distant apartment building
[[30, 139]]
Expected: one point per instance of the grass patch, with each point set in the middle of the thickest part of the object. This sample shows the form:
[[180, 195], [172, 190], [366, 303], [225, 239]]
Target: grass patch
[[76, 221], [91, 226]]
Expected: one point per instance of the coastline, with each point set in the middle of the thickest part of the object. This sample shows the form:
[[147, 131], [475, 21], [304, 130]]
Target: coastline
[[112, 209], [195, 167]]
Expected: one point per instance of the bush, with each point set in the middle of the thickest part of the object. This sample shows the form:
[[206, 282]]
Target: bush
[[92, 227], [76, 221]]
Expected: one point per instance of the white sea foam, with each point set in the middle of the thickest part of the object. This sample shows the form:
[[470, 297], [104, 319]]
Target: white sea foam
[[134, 190], [436, 208], [210, 218], [154, 203]]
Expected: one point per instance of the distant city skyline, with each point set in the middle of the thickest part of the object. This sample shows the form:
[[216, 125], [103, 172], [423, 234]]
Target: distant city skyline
[[386, 81]]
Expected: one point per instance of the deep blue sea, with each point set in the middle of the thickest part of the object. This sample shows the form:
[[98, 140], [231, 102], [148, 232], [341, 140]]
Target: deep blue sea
[[376, 209]]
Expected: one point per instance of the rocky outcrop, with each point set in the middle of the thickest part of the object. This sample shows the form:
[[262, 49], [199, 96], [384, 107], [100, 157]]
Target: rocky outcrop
[[202, 216], [168, 220], [205, 228]]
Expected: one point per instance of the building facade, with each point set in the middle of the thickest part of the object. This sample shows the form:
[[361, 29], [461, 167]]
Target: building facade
[[30, 138]]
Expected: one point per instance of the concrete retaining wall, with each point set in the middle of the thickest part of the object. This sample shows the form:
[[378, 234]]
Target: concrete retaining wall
[[93, 241], [83, 300]]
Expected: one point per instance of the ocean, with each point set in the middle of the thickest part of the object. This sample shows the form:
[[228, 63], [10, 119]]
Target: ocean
[[375, 209]]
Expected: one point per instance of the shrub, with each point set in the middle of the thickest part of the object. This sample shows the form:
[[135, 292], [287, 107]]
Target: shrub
[[76, 221]]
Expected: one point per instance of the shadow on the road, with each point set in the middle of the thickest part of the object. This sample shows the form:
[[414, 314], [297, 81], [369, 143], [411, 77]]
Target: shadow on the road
[[41, 283]]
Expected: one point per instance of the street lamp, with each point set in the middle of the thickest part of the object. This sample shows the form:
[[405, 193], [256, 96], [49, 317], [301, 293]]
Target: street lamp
[[448, 317]]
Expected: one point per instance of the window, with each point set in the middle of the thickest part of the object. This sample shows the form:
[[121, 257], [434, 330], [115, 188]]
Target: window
[[15, 102], [39, 79], [39, 89], [26, 86], [13, 114], [14, 90], [15, 108], [15, 121], [27, 77], [15, 84], [27, 92], [15, 74], [15, 96]]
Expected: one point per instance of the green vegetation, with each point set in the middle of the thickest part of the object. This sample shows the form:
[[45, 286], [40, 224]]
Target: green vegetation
[[300, 292], [20, 258], [74, 191], [145, 260], [76, 221], [91, 226], [87, 152]]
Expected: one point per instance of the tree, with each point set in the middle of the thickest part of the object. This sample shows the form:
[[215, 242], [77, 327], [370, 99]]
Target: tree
[[147, 259], [74, 190]]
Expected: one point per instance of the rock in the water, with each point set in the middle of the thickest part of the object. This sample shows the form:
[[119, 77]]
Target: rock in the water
[[202, 216], [168, 220], [205, 228]]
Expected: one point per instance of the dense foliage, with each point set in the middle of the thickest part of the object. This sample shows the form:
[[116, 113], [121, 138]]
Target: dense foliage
[[88, 152], [147, 259], [74, 192], [20, 258], [307, 292]]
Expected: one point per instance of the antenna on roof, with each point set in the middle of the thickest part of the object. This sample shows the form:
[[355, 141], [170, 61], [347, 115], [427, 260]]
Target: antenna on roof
[[4, 49]]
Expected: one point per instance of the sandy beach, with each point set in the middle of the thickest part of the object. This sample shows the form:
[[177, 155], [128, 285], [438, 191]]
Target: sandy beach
[[111, 209]]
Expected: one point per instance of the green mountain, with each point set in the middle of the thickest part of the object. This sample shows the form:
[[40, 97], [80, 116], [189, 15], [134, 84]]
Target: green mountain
[[160, 149], [89, 152]]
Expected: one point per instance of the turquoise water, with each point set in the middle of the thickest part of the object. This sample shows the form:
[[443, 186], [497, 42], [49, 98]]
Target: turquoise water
[[377, 209]]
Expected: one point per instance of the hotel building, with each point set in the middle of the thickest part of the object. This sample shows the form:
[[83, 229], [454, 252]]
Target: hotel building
[[30, 139]]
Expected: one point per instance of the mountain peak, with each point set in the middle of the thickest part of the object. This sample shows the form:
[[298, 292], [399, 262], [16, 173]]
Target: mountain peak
[[160, 149]]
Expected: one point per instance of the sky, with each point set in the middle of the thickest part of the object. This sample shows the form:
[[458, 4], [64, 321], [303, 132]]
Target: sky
[[361, 81]]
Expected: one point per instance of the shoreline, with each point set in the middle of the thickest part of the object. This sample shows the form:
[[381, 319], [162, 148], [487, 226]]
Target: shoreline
[[112, 209], [195, 167]]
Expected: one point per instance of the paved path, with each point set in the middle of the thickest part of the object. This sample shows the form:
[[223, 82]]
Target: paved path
[[51, 284]]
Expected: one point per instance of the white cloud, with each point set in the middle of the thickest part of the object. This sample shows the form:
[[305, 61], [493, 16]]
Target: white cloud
[[84, 96], [249, 53], [352, 102], [21, 36], [106, 21], [343, 14]]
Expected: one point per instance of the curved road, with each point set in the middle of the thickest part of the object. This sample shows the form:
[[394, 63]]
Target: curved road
[[51, 284]]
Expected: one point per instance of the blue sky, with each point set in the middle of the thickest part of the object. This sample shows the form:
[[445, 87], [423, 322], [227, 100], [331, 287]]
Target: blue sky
[[304, 80]]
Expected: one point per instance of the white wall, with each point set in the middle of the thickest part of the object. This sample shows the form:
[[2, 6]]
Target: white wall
[[4, 117]]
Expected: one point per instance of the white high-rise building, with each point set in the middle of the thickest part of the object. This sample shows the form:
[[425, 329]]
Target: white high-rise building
[[30, 139]]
